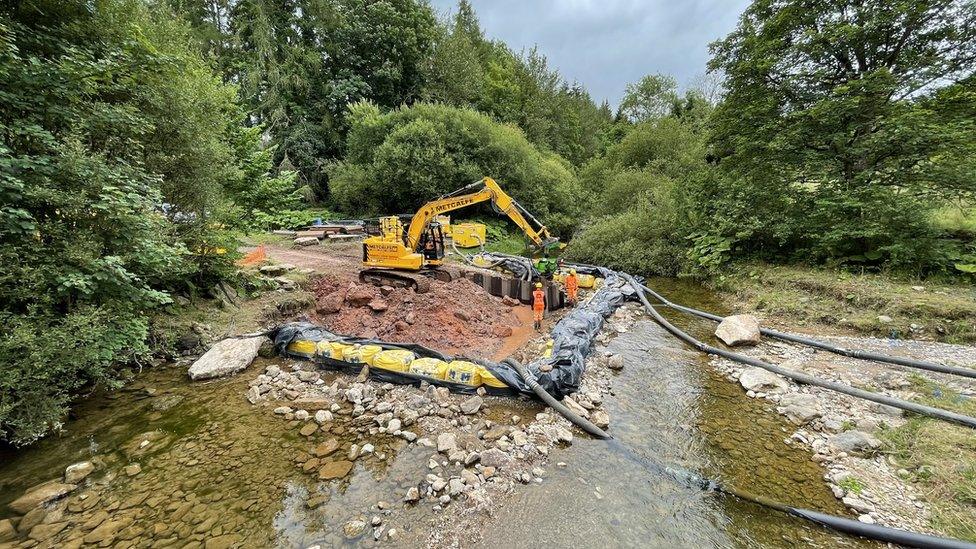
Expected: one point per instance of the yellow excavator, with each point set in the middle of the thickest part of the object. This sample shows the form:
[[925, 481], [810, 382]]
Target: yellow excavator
[[406, 257]]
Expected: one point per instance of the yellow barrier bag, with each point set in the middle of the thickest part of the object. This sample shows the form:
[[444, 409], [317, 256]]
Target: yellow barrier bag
[[430, 367], [323, 348], [462, 371], [336, 348], [396, 360], [368, 352], [489, 378], [353, 353], [586, 281], [302, 347]]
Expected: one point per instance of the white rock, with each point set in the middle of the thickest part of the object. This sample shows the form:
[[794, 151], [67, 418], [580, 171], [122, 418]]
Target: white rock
[[446, 442], [738, 330], [227, 356], [757, 379]]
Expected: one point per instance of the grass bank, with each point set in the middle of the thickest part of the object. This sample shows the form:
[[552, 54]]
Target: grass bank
[[867, 304], [939, 459]]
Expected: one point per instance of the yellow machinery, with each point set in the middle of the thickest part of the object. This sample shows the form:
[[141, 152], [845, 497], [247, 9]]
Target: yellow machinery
[[469, 235], [392, 256]]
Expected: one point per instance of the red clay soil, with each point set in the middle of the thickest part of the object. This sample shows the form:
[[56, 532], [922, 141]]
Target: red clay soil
[[455, 317]]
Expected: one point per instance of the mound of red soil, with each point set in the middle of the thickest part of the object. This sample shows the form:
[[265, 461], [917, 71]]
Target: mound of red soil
[[454, 317]]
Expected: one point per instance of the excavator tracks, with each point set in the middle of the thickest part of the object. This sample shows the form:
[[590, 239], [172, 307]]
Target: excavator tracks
[[398, 279]]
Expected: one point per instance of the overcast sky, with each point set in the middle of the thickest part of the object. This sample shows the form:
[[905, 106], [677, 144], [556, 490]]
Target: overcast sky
[[605, 44]]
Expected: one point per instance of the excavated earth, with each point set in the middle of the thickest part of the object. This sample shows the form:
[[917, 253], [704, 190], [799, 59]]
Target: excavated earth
[[454, 317]]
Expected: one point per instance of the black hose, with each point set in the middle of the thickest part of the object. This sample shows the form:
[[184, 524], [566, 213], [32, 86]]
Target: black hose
[[853, 353], [577, 420], [839, 524], [799, 377]]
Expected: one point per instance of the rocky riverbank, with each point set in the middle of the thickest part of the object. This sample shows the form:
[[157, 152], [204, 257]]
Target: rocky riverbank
[[476, 448], [846, 435]]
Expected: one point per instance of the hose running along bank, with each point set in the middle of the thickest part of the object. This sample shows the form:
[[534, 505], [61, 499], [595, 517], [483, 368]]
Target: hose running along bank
[[809, 342], [693, 480], [799, 377]]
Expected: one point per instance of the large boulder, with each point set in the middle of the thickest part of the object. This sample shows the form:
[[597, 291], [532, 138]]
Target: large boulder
[[227, 356], [759, 380], [738, 330]]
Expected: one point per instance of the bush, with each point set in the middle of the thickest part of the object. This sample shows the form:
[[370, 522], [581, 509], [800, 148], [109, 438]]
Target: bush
[[399, 160], [638, 198]]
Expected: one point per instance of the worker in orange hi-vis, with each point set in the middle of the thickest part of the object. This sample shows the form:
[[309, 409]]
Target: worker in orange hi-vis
[[538, 305], [572, 286]]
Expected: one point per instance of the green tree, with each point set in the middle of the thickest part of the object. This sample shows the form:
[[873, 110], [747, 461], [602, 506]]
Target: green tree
[[649, 98], [833, 110], [399, 160], [113, 157]]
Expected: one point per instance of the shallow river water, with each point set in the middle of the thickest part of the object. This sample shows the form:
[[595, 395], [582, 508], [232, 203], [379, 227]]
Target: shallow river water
[[217, 468]]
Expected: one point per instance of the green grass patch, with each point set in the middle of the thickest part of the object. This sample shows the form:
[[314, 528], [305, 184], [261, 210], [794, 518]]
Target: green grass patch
[[852, 484], [940, 459], [799, 295]]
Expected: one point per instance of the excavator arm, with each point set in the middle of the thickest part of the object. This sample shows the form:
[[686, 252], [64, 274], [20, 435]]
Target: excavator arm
[[482, 191]]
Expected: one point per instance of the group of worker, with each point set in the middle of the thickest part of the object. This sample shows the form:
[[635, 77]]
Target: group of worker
[[539, 297]]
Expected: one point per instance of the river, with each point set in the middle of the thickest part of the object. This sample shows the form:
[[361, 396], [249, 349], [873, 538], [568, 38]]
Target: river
[[217, 468]]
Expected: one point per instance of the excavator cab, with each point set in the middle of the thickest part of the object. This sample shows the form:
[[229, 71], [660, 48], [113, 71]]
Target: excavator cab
[[432, 243]]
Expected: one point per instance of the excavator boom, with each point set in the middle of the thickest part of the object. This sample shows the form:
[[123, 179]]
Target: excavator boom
[[482, 191]]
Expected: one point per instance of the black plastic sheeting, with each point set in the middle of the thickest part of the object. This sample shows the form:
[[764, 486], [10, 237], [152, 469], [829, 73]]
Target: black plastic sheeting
[[572, 342], [572, 336]]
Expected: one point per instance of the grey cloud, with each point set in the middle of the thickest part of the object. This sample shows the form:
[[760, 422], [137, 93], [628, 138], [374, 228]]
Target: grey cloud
[[607, 44]]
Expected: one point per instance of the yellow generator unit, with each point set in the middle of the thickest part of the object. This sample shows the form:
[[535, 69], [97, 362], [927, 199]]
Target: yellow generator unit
[[469, 235]]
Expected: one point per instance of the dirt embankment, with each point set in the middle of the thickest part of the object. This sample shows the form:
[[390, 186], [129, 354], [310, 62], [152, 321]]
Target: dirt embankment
[[454, 317]]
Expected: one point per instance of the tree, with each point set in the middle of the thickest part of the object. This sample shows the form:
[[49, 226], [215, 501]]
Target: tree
[[649, 98], [398, 160], [833, 109], [115, 148]]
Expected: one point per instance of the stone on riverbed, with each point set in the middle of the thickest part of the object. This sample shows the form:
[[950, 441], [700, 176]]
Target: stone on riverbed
[[738, 330], [335, 469], [854, 441], [757, 379], [42, 494], [77, 472], [800, 408], [227, 356]]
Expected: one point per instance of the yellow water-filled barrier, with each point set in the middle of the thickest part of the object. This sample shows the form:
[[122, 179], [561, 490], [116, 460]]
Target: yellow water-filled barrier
[[302, 347], [396, 360], [361, 353], [430, 367], [489, 379], [464, 372], [336, 348]]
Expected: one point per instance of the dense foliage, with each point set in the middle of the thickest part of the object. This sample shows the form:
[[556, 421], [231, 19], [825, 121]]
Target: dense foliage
[[398, 160], [117, 140], [845, 125]]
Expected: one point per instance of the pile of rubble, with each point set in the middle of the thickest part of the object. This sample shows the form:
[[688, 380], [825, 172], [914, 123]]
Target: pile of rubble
[[456, 316]]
